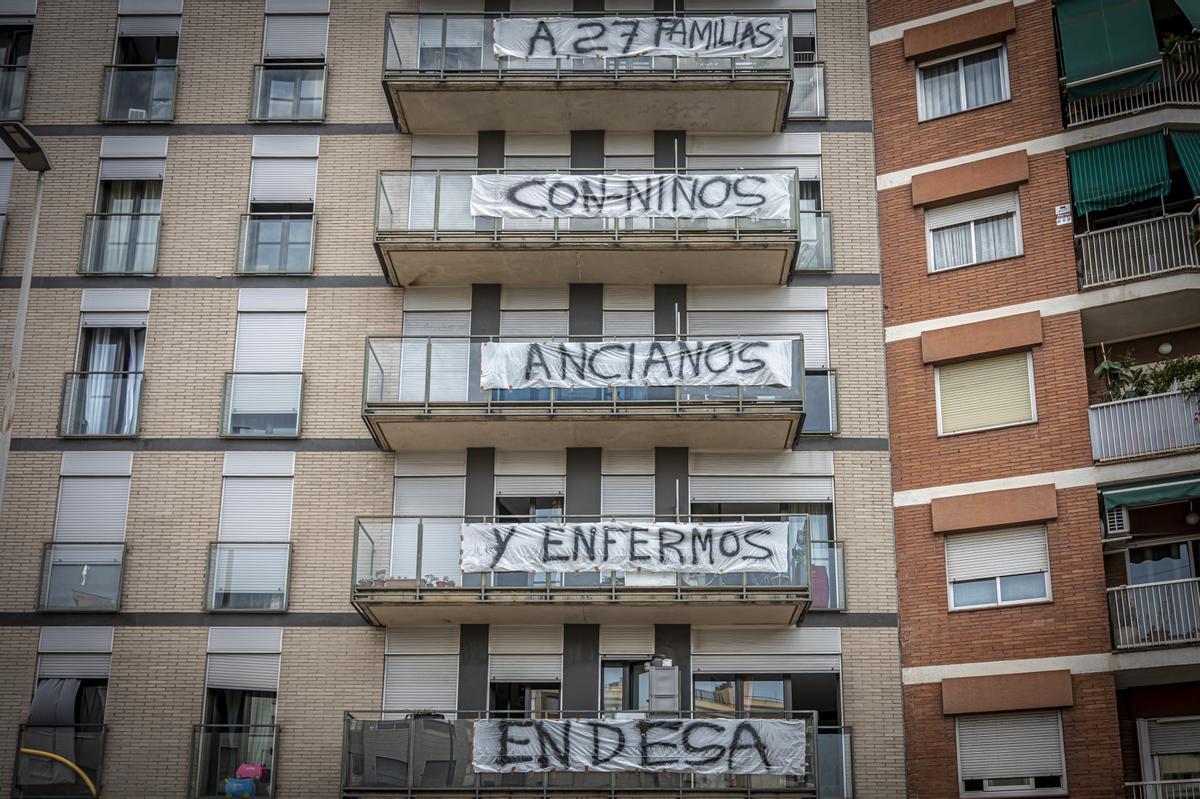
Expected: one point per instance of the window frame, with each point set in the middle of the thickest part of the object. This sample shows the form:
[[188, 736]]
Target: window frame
[[1062, 790], [1018, 238], [1033, 410], [1000, 602], [1005, 83]]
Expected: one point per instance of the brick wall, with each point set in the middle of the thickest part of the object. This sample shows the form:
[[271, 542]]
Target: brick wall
[[847, 188], [872, 706], [864, 525], [842, 45]]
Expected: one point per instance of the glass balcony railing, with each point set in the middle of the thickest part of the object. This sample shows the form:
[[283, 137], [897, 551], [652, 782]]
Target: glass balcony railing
[[120, 244], [1155, 614], [79, 576], [248, 575], [404, 750], [835, 762], [458, 46], [100, 404], [39, 777], [12, 92], [262, 404], [435, 205], [138, 93], [218, 750], [275, 244], [828, 574], [808, 91], [1139, 249], [1159, 424], [288, 93]]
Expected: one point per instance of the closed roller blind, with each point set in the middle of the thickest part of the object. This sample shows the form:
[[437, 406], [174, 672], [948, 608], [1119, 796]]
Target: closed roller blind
[[765, 664], [283, 180], [429, 496], [273, 300], [629, 298], [804, 23], [1170, 737], [712, 488], [626, 461], [299, 36], [256, 509], [995, 553], [757, 298], [986, 393], [628, 323], [132, 168], [91, 509], [245, 640], [441, 463], [413, 682], [975, 209], [616, 639], [534, 298], [453, 194], [766, 640], [509, 485], [75, 666], [437, 298], [630, 164], [526, 668], [813, 462], [627, 496], [533, 461], [74, 640], [441, 538], [1009, 745], [812, 325], [245, 672], [442, 639], [269, 342], [6, 170], [259, 464], [131, 319], [449, 359], [538, 324], [161, 25], [512, 639]]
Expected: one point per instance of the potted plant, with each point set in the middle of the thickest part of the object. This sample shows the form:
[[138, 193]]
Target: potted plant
[[426, 713]]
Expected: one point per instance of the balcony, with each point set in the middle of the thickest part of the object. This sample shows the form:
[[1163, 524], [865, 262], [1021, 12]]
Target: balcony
[[1155, 614], [138, 93], [424, 393], [808, 91], [1138, 250], [100, 404], [1180, 87], [275, 244], [81, 577], [248, 575], [441, 75], [12, 92], [425, 234], [408, 571], [120, 244], [288, 93], [39, 777], [399, 753], [262, 404], [219, 749], [1163, 789], [1141, 427]]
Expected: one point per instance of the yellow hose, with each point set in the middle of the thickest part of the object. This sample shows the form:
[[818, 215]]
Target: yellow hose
[[59, 758]]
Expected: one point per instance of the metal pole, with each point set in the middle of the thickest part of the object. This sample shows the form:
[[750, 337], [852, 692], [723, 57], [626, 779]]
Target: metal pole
[[14, 370]]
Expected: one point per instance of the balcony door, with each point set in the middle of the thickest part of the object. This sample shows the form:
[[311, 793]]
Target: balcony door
[[238, 734], [110, 360], [127, 238], [66, 716], [14, 57], [141, 90]]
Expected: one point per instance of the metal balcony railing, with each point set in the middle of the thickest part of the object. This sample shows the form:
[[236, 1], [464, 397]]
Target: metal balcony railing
[[1143, 426], [275, 244], [808, 91], [12, 92], [39, 777], [420, 556], [81, 577], [262, 404], [288, 92], [138, 93], [1155, 614], [430, 750], [458, 47], [422, 375], [1180, 85], [248, 575], [219, 749], [419, 206], [1163, 789], [1138, 249], [120, 244], [100, 404]]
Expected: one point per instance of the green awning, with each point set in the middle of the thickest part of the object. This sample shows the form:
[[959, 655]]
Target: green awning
[[1191, 10], [1187, 147], [1123, 172], [1151, 493], [1107, 45]]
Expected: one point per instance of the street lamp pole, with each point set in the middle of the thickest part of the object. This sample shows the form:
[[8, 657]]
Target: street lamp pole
[[27, 150]]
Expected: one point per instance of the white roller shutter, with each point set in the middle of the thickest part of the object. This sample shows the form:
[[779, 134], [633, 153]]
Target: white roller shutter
[[526, 668], [627, 461], [629, 323], [256, 509], [766, 650], [159, 25], [627, 497], [91, 509], [757, 298], [982, 208], [766, 664], [133, 319], [812, 325], [530, 486], [804, 23], [987, 393], [449, 358], [6, 170], [283, 180], [996, 553], [1002, 745], [132, 168], [627, 640], [412, 682], [273, 300], [245, 640], [630, 164], [809, 463], [441, 543], [297, 6], [535, 473], [118, 300], [1173, 736], [534, 298], [244, 672], [76, 666], [75, 652], [440, 639], [259, 464], [453, 195], [441, 463], [519, 639], [628, 298], [269, 342], [96, 464], [534, 324], [295, 36], [713, 488], [437, 298], [149, 6], [429, 496]]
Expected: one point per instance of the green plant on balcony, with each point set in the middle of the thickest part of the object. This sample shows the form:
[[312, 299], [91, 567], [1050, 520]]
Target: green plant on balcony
[[1125, 379], [1180, 47]]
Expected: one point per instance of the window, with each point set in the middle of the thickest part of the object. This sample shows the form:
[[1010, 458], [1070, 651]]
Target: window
[[121, 235], [962, 82], [758, 695], [987, 229], [277, 233], [1174, 746], [15, 40], [625, 686], [1010, 752], [248, 565], [984, 394], [263, 393], [105, 394], [289, 84], [140, 85], [997, 567]]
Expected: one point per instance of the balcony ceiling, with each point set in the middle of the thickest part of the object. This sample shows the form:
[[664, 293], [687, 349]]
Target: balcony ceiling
[[1145, 308]]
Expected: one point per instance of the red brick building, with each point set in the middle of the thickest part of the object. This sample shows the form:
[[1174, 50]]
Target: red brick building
[[1037, 168]]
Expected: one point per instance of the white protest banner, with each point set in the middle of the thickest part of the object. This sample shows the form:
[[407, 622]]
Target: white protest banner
[[705, 746], [618, 37], [668, 195], [600, 364], [624, 546]]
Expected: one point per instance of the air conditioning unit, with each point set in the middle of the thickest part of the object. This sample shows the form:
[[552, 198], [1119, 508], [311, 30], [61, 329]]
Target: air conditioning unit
[[1116, 522]]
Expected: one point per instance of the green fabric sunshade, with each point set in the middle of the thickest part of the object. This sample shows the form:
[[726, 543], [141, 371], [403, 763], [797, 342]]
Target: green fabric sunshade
[[1120, 173], [1191, 10], [1103, 37], [1151, 493], [1187, 147]]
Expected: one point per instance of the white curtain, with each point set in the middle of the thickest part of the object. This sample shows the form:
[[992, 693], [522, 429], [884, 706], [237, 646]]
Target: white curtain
[[951, 246], [995, 238], [110, 390], [982, 78], [940, 89]]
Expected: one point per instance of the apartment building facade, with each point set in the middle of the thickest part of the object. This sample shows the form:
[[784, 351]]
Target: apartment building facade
[[1037, 176], [258, 438]]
